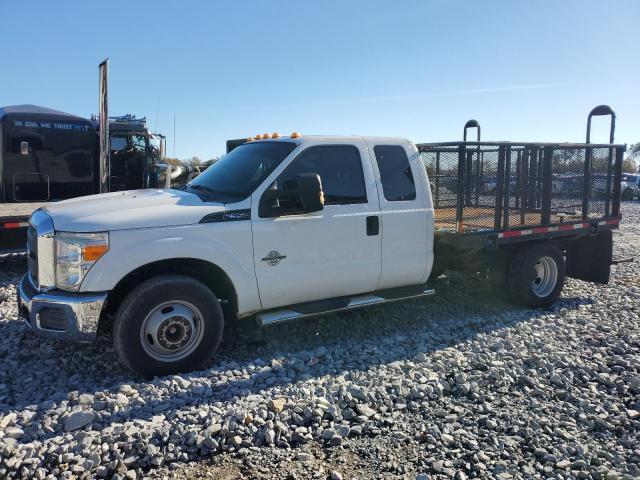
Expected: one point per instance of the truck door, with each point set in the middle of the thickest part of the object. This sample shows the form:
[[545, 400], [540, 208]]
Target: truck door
[[128, 162], [407, 215], [331, 253]]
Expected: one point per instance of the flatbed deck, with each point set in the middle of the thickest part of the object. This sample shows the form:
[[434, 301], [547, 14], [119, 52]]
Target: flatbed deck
[[479, 218], [14, 220], [18, 211]]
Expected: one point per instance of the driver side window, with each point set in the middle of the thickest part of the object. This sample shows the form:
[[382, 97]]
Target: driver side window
[[118, 143], [340, 171], [139, 143]]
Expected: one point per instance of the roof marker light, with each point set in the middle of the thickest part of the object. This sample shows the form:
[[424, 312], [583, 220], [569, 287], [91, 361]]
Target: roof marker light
[[258, 137], [295, 135], [275, 135], [266, 135], [250, 139]]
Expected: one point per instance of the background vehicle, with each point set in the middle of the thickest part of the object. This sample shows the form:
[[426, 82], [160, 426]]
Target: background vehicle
[[47, 155], [630, 187], [290, 227]]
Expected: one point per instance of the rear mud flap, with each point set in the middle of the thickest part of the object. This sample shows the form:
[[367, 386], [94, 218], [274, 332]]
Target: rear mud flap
[[589, 258]]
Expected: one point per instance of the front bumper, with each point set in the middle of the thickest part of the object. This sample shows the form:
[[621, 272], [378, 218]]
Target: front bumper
[[59, 314]]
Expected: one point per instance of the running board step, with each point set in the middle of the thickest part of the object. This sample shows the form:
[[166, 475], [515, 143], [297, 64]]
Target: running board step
[[323, 307]]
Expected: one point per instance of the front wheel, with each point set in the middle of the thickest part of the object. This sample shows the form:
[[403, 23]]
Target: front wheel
[[168, 324], [536, 275]]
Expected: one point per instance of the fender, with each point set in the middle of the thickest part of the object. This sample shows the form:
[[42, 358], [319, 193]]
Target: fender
[[228, 245]]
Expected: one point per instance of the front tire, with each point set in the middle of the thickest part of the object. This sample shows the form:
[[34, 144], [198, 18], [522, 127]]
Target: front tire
[[166, 325], [627, 194], [536, 275]]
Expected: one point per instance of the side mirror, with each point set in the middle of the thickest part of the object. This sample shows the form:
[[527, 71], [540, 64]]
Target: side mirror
[[303, 194], [309, 190]]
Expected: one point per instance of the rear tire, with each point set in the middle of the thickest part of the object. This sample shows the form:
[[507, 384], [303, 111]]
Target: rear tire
[[166, 325], [627, 194], [536, 275]]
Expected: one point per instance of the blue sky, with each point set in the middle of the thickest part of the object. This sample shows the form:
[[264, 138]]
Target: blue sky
[[527, 70]]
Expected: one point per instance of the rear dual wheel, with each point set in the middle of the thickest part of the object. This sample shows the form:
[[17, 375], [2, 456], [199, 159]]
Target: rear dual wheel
[[536, 275]]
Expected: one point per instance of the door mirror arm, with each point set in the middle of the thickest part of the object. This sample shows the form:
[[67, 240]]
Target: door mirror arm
[[269, 204]]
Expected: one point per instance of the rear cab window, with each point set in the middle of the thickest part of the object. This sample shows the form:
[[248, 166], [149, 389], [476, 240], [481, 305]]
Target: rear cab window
[[395, 173]]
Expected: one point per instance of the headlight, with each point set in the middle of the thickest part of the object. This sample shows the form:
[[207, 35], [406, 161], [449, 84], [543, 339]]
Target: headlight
[[75, 254]]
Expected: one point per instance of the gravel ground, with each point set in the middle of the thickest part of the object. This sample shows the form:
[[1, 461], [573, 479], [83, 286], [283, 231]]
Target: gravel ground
[[459, 385]]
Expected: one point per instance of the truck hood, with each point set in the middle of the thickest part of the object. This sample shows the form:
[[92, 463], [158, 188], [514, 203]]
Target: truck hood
[[128, 210]]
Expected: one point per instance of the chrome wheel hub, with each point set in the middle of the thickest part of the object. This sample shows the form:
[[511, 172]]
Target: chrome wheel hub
[[546, 277], [172, 331]]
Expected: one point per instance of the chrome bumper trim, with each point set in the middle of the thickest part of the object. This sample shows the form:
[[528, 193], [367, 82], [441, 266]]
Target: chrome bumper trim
[[81, 311]]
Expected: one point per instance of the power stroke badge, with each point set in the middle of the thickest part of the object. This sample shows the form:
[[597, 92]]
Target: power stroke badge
[[273, 258]]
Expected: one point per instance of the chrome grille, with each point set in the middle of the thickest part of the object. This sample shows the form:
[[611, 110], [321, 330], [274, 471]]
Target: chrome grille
[[32, 254]]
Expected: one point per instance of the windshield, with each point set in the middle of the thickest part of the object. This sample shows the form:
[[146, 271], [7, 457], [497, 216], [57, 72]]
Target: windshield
[[154, 148], [238, 173]]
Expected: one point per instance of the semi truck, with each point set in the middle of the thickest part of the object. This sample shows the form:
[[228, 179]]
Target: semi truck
[[288, 227], [47, 155]]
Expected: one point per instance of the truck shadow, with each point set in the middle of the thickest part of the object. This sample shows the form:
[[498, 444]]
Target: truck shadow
[[289, 353]]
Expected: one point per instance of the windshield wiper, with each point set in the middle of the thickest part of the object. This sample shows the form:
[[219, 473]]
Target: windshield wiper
[[218, 193], [201, 187]]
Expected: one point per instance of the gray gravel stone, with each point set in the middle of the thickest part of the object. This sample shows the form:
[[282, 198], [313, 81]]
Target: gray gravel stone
[[78, 420], [14, 432]]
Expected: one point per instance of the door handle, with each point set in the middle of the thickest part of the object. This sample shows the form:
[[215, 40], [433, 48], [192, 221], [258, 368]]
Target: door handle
[[373, 225]]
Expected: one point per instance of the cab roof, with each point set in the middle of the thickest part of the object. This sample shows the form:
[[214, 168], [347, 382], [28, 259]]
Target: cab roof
[[318, 139], [28, 109], [37, 113], [330, 138]]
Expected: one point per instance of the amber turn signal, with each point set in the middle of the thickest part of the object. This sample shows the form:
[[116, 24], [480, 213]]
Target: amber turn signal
[[91, 253]]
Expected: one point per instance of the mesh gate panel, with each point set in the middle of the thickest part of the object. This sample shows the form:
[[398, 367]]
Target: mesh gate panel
[[601, 184], [442, 169], [503, 186]]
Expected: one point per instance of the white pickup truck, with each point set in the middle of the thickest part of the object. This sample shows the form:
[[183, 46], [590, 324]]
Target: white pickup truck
[[283, 228]]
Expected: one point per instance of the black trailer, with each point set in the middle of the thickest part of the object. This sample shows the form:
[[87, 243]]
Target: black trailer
[[491, 197], [47, 155]]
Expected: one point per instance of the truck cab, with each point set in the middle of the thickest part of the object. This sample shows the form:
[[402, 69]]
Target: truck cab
[[48, 155], [280, 227], [45, 155], [134, 155], [370, 235]]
